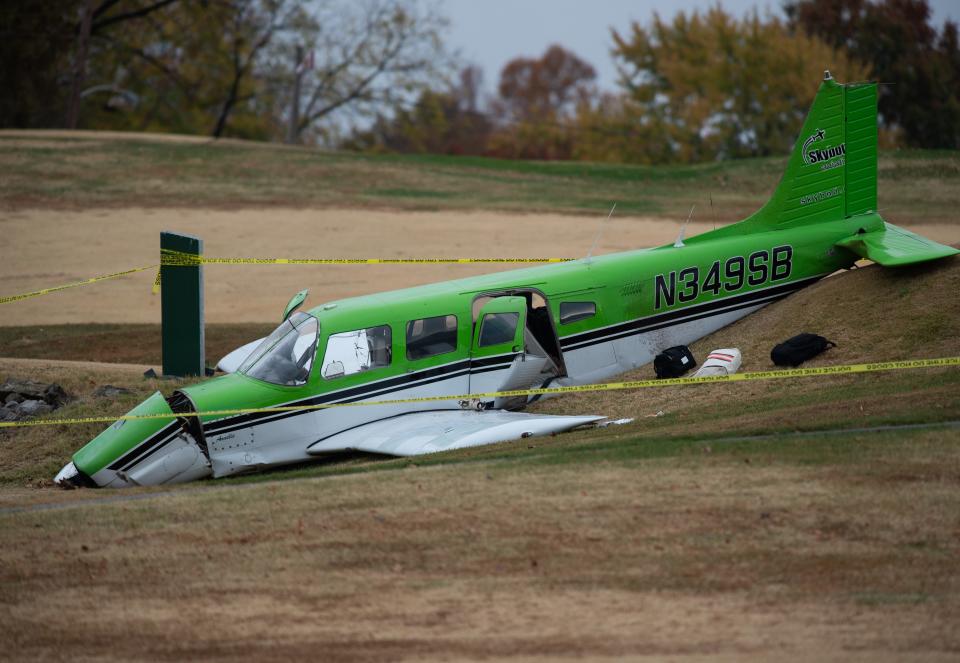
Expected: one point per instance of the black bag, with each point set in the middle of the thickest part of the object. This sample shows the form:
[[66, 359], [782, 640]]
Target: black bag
[[673, 362], [794, 351]]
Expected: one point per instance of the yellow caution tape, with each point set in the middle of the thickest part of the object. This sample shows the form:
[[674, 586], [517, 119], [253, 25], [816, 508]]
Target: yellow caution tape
[[179, 259], [95, 279], [610, 386]]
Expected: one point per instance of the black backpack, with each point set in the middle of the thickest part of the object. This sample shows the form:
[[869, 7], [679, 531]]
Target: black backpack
[[794, 351], [673, 362]]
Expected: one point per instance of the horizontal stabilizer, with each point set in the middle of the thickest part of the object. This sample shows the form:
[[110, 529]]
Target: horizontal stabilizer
[[894, 246], [429, 432]]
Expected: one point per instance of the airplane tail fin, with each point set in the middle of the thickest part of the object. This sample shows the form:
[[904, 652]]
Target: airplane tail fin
[[832, 171], [832, 176]]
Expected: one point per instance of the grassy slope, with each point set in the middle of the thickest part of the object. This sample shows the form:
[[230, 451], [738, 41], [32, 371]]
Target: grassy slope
[[118, 343], [87, 172], [872, 313]]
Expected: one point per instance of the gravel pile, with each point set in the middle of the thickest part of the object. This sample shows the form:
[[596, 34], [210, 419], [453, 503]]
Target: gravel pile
[[22, 399]]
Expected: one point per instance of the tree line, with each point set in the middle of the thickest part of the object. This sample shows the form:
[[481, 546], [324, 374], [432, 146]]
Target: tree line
[[376, 75]]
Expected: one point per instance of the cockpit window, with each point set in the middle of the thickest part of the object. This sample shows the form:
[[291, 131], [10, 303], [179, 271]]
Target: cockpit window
[[285, 357], [355, 351]]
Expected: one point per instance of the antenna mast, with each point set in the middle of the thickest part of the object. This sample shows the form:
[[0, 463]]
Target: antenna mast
[[679, 243], [596, 237]]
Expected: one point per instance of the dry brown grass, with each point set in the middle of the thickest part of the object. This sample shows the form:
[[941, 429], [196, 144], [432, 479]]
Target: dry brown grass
[[117, 343], [677, 557]]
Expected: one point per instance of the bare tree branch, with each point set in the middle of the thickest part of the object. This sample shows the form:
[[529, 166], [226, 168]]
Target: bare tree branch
[[382, 50], [119, 18]]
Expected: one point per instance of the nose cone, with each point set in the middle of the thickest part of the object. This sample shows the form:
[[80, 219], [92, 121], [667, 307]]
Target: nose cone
[[70, 477], [123, 443], [68, 472]]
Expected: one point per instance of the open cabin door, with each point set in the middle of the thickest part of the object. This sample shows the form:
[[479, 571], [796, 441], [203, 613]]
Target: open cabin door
[[504, 353]]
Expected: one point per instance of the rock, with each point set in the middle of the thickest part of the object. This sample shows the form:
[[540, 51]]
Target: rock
[[35, 408], [110, 391], [7, 414], [55, 395], [26, 388]]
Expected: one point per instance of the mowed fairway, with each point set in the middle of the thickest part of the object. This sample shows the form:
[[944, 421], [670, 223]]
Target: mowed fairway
[[835, 547], [814, 518]]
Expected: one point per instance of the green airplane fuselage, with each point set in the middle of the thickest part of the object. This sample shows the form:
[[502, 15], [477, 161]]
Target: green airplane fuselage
[[583, 320]]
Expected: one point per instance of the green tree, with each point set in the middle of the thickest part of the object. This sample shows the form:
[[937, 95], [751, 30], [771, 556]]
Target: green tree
[[32, 35], [919, 66], [708, 86], [218, 67], [190, 68]]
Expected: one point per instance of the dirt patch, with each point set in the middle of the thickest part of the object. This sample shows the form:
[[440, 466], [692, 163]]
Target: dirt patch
[[66, 138], [44, 248]]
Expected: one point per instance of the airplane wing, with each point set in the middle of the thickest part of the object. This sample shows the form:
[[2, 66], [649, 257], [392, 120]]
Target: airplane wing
[[442, 430], [894, 246]]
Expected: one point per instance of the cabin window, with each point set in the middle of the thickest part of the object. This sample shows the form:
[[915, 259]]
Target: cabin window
[[573, 311], [357, 351], [285, 357], [430, 337], [497, 328]]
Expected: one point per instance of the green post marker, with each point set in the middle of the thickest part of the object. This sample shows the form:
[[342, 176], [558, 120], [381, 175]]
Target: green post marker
[[182, 308]]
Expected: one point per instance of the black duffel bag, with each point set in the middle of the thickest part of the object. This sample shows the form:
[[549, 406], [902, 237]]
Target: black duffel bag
[[673, 362], [794, 351]]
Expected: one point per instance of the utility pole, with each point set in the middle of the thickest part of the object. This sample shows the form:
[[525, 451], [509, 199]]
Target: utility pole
[[293, 130], [79, 66]]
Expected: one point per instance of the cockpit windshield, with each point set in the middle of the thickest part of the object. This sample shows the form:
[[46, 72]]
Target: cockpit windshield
[[285, 357]]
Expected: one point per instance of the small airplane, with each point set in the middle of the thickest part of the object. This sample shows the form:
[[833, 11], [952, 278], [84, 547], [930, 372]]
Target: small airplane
[[566, 324]]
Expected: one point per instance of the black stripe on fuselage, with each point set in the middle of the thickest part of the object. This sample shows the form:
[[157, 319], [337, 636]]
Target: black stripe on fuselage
[[669, 318], [674, 322], [136, 454]]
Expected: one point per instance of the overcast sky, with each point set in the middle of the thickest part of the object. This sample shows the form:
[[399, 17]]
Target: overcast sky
[[492, 32]]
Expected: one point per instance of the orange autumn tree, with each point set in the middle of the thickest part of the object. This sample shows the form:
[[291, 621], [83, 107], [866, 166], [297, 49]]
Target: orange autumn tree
[[704, 86], [537, 99]]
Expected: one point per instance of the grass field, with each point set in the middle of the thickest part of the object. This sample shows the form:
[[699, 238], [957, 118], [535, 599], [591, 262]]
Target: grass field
[[830, 547], [89, 172], [117, 343], [805, 519]]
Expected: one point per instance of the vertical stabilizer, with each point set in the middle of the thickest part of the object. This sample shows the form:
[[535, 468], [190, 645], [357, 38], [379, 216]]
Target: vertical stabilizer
[[860, 135], [832, 170]]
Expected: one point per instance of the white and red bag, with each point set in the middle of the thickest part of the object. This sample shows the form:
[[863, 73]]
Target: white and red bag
[[725, 361]]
